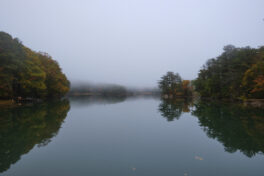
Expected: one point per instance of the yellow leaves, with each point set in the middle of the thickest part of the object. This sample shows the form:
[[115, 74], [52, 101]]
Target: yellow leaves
[[185, 84], [259, 84], [253, 80], [198, 158]]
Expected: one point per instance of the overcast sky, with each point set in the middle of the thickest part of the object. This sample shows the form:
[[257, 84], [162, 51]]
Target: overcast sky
[[132, 42]]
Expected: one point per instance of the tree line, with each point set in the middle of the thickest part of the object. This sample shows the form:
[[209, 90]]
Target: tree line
[[238, 73], [109, 90], [82, 89], [25, 73]]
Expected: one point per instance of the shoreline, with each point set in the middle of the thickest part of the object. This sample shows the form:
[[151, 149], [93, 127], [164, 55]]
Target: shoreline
[[7, 103]]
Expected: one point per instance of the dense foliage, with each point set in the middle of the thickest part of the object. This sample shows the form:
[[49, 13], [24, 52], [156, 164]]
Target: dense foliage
[[237, 73], [172, 85], [25, 73]]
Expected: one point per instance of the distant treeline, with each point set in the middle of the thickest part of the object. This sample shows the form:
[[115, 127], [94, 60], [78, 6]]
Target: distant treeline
[[104, 90], [238, 73], [82, 89], [28, 74]]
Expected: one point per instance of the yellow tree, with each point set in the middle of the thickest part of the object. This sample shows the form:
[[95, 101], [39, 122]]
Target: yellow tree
[[187, 88], [253, 81]]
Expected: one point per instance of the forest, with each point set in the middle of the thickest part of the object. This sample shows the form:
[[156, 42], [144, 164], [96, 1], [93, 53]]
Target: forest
[[28, 74], [237, 74]]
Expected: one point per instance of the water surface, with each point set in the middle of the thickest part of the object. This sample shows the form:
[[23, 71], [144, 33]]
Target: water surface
[[139, 136]]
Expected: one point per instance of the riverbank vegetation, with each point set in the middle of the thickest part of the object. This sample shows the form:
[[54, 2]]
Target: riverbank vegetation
[[28, 74], [172, 85], [238, 73]]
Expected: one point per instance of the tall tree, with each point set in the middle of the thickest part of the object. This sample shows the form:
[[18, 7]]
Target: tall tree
[[171, 84]]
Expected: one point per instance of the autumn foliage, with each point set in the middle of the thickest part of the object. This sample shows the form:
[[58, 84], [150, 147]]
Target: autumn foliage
[[238, 73], [26, 73], [172, 85]]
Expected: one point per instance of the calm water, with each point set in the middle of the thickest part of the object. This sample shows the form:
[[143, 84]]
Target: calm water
[[129, 137]]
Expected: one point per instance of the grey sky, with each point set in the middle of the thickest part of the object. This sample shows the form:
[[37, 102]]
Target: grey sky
[[133, 42]]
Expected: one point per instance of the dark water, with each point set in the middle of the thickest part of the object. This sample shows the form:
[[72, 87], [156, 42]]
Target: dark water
[[118, 137]]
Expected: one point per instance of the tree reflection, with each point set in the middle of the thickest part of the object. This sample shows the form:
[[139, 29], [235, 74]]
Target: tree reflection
[[235, 126], [173, 108], [22, 128]]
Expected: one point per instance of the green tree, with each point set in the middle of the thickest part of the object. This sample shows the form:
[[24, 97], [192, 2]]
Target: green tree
[[223, 77], [32, 78], [12, 57], [171, 84]]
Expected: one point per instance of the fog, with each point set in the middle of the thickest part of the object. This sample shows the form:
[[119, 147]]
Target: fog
[[132, 42]]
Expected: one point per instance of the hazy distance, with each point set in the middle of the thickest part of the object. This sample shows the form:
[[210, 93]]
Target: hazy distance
[[132, 42]]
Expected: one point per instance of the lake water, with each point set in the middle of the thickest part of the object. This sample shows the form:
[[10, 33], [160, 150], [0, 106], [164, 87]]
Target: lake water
[[131, 137]]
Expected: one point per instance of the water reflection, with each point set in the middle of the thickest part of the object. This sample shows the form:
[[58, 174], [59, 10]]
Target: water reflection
[[236, 126], [92, 100], [101, 140], [104, 100], [173, 109], [22, 128]]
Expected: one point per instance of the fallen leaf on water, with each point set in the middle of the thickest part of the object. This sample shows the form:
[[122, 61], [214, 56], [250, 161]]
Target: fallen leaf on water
[[198, 158]]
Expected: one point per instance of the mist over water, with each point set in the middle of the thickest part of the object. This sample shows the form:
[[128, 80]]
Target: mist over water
[[132, 43], [134, 105]]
